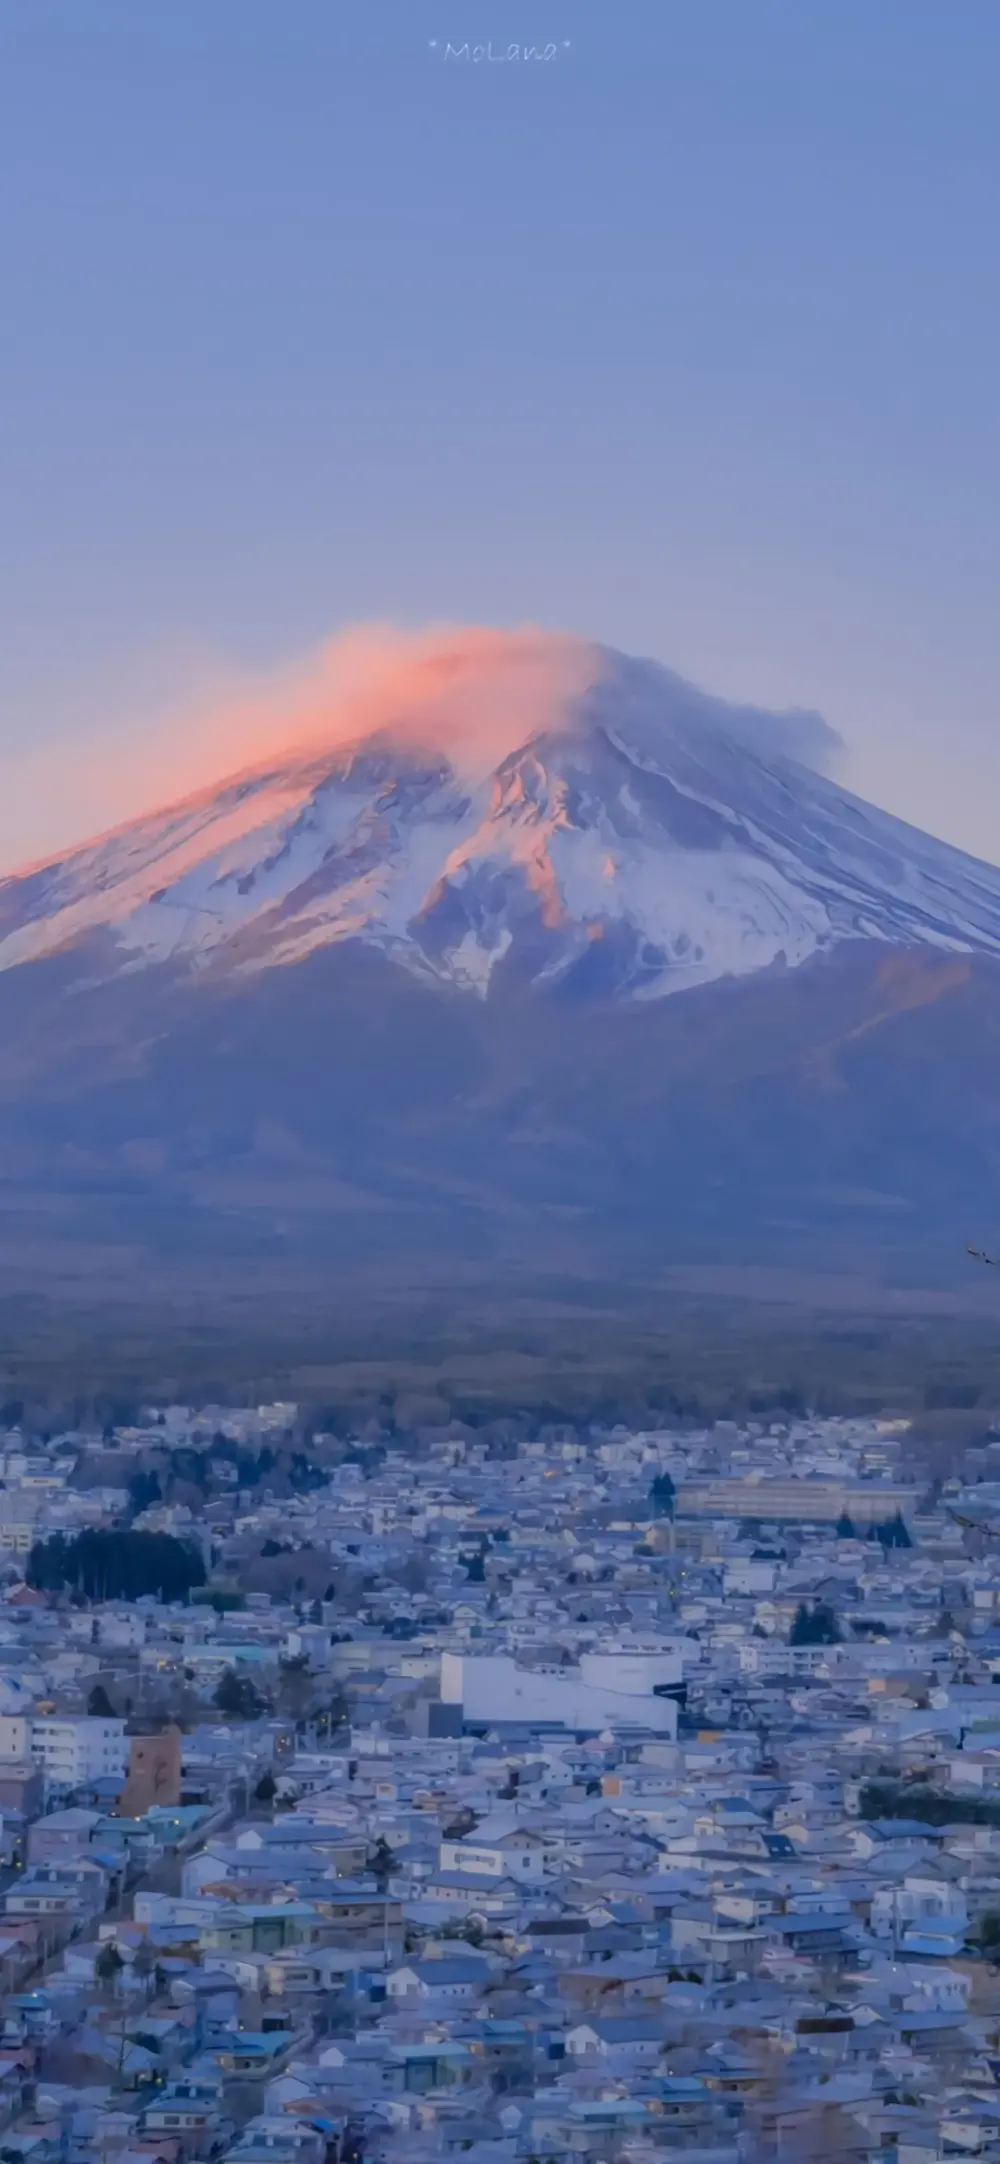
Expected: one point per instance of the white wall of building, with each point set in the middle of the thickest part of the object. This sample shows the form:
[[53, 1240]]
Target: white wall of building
[[635, 1670], [511, 1861], [15, 1738], [491, 1687], [79, 1749]]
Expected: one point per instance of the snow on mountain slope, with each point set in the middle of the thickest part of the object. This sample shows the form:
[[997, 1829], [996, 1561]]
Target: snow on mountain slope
[[647, 838]]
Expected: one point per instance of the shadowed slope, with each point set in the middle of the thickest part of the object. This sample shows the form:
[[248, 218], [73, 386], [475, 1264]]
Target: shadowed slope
[[841, 1116]]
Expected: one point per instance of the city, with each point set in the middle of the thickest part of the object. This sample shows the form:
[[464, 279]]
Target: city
[[499, 1053], [512, 1794]]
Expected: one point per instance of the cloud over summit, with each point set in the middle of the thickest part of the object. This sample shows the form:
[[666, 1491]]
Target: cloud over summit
[[473, 694]]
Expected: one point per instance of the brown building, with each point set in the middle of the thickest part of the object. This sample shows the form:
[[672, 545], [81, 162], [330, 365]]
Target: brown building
[[21, 1787], [154, 1772]]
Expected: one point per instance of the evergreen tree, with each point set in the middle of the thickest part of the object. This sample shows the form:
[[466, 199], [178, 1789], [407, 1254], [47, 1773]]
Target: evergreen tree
[[144, 1489], [663, 1495], [108, 1965], [238, 1697], [892, 1532], [381, 1862], [815, 1625], [101, 1564]]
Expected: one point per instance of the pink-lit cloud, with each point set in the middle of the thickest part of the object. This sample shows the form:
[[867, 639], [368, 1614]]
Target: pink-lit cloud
[[472, 693]]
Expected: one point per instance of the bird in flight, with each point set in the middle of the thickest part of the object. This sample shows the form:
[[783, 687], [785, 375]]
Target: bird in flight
[[988, 1526], [979, 1256]]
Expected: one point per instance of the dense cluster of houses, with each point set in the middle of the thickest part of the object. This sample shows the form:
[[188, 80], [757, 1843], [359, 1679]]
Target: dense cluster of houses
[[553, 1797]]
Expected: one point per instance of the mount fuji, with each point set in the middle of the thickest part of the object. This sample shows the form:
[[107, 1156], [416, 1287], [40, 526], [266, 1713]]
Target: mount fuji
[[642, 840], [539, 956]]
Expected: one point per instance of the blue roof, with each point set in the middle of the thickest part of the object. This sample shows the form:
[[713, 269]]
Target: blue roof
[[906, 1829], [264, 2042], [937, 1944]]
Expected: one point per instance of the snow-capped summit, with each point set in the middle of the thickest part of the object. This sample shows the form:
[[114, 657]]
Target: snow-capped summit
[[628, 833]]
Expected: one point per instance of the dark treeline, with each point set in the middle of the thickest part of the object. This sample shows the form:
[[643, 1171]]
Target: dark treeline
[[587, 1354], [115, 1565], [249, 1466], [926, 1806]]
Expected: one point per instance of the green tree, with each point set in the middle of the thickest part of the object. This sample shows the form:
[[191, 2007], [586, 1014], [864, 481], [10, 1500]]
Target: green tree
[[815, 1625], [143, 1490], [99, 1704], [662, 1496], [333, 1715], [296, 1685], [117, 1564], [891, 1532], [238, 1697], [382, 1863], [108, 1965]]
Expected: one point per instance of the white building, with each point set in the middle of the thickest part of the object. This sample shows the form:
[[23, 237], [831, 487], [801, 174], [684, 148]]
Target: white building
[[606, 1691], [15, 1738], [761, 1497], [931, 1907], [500, 1848], [79, 1749], [19, 1513]]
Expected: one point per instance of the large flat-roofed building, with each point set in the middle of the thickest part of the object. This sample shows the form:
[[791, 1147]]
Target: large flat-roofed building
[[609, 1690], [805, 1502]]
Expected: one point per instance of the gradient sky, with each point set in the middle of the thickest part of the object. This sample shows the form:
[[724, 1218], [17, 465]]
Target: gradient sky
[[686, 339]]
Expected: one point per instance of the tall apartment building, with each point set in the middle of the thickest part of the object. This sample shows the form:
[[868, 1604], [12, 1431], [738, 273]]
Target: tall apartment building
[[78, 1749], [19, 1512]]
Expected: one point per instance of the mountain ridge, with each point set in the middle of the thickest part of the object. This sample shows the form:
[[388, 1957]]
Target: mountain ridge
[[388, 1007], [639, 843]]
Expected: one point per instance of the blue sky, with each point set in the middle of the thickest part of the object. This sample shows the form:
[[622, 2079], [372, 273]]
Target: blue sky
[[686, 339]]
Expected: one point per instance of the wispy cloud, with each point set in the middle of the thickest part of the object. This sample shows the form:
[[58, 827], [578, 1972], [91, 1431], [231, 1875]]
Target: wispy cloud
[[471, 692]]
